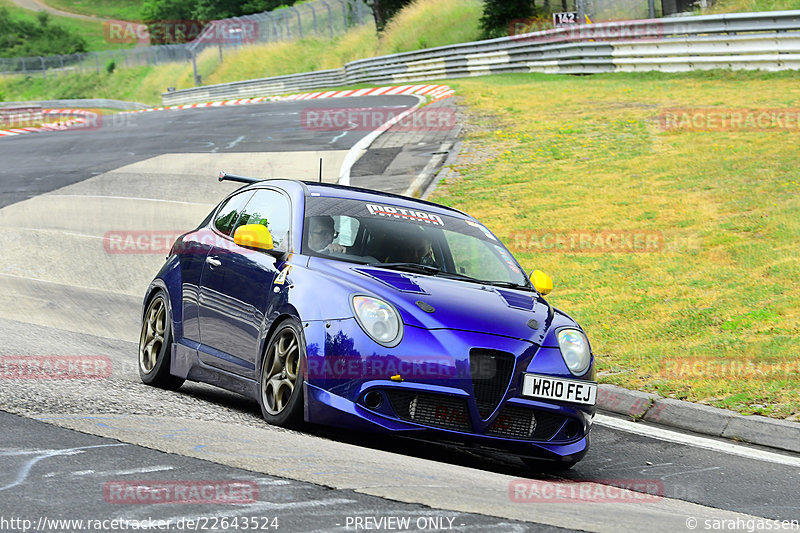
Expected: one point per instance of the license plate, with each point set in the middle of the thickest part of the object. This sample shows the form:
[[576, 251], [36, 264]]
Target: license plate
[[565, 390]]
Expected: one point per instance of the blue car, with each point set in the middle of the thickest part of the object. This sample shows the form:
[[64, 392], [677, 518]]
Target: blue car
[[370, 311]]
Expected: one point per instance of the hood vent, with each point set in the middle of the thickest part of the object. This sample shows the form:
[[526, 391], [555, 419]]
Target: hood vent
[[393, 279], [520, 301]]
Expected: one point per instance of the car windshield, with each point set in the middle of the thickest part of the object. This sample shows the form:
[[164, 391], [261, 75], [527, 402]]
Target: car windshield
[[413, 240]]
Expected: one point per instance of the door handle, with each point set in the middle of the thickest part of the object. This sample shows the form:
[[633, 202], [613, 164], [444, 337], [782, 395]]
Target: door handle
[[213, 261]]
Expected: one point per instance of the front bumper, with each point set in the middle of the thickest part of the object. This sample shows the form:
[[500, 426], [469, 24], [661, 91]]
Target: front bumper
[[438, 397], [569, 439]]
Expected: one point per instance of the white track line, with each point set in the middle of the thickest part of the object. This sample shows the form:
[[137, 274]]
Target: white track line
[[358, 149], [694, 440]]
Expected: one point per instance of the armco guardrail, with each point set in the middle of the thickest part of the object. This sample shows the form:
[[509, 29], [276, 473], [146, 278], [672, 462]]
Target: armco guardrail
[[102, 103], [766, 41], [261, 87]]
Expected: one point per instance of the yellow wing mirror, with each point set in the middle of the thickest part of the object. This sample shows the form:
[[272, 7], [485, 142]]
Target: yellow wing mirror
[[541, 282], [253, 236]]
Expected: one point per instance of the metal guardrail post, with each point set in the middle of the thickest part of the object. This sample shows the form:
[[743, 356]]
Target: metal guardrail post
[[194, 68], [344, 13], [275, 29], [330, 16], [299, 21], [314, 16]]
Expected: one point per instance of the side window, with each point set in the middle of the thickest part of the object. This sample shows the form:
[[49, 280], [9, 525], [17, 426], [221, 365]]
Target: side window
[[270, 209], [346, 229], [229, 212]]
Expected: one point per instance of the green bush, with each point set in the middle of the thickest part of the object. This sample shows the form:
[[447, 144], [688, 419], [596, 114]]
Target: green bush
[[25, 38]]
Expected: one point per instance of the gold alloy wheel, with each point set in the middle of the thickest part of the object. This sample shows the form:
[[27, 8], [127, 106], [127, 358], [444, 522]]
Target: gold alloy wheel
[[152, 337], [280, 369]]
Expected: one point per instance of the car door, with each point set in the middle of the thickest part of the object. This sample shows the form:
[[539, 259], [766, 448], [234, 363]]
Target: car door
[[194, 249], [236, 287]]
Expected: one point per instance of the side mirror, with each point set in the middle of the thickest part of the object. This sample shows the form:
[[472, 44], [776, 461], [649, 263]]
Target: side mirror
[[253, 236], [541, 282]]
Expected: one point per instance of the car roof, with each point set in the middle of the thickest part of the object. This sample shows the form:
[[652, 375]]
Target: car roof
[[332, 190]]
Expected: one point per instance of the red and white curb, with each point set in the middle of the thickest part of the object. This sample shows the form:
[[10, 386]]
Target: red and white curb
[[435, 92], [81, 117], [241, 101]]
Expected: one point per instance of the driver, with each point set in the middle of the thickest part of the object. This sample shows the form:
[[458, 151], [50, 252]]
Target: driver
[[419, 249], [423, 251], [321, 233]]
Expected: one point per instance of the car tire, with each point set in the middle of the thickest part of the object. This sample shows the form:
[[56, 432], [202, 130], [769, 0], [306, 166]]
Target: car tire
[[155, 344], [281, 377]]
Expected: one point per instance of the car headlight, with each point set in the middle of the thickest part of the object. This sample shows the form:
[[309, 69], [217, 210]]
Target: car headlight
[[378, 319], [575, 350]]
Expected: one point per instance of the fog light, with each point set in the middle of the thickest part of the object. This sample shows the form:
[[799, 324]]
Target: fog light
[[373, 399]]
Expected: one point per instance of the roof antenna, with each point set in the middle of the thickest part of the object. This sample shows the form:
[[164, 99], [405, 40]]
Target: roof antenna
[[320, 170]]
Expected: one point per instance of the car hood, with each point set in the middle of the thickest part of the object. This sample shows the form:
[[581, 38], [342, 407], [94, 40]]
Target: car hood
[[433, 302]]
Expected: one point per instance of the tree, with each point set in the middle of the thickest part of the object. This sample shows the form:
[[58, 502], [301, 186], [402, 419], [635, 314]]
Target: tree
[[259, 6], [498, 15], [163, 17], [22, 38], [384, 10], [167, 18]]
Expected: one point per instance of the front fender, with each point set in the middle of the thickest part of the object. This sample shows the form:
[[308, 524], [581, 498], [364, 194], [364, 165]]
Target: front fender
[[168, 280]]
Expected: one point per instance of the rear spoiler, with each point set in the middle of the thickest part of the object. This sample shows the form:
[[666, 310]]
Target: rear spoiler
[[241, 179]]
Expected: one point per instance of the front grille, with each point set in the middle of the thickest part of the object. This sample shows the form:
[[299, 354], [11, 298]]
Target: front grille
[[435, 410], [527, 424], [490, 371]]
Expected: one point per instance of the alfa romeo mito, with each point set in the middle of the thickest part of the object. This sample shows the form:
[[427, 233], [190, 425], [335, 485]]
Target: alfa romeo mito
[[370, 311]]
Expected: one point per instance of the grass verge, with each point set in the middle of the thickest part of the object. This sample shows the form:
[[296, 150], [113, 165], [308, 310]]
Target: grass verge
[[709, 315], [110, 9], [749, 6], [91, 31]]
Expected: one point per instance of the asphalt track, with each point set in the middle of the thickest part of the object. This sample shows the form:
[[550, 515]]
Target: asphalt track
[[63, 293]]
